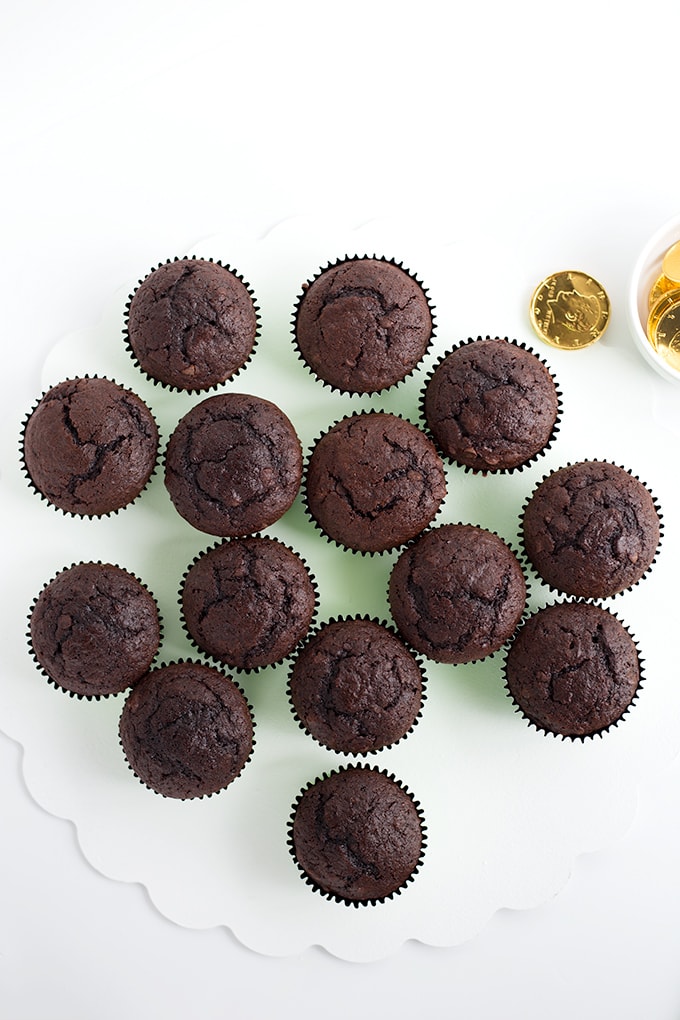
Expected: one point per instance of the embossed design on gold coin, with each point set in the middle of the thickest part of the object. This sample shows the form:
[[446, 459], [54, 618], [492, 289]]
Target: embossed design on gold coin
[[569, 310], [663, 328], [661, 286], [670, 265]]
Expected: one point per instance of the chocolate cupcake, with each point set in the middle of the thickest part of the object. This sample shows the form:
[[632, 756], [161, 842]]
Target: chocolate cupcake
[[186, 730], [363, 324], [233, 464], [591, 529], [457, 593], [491, 405], [192, 324], [355, 687], [248, 602], [90, 446], [94, 630], [357, 835], [373, 482], [573, 669]]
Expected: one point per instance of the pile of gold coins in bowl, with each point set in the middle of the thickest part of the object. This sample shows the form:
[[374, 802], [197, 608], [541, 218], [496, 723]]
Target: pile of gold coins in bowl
[[654, 301], [663, 324]]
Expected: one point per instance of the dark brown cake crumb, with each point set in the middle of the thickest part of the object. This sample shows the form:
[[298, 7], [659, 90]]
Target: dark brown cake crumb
[[573, 669], [192, 324], [457, 593], [248, 602], [363, 325], [355, 687], [90, 446], [94, 629], [357, 834], [591, 529], [374, 481], [491, 405], [186, 730], [233, 464]]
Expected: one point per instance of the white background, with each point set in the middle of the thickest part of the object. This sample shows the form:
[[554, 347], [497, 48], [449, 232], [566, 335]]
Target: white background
[[132, 130]]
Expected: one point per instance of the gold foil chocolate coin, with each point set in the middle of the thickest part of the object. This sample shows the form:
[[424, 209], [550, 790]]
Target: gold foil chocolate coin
[[569, 310], [670, 265], [663, 328], [661, 286]]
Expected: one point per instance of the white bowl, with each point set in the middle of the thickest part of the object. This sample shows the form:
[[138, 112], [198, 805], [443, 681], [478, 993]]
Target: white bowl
[[645, 274]]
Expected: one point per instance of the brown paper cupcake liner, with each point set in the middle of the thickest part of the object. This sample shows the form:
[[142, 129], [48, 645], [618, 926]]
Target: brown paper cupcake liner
[[213, 657], [398, 545], [80, 695], [563, 591], [171, 387], [43, 496], [501, 470], [334, 896], [391, 630], [342, 260], [598, 732], [526, 612], [214, 793]]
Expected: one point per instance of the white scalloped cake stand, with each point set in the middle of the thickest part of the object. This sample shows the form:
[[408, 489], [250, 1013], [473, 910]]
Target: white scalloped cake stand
[[507, 809]]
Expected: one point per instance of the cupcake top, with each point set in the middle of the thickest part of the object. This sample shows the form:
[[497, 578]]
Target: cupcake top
[[192, 324], [248, 601], [491, 405], [233, 464], [591, 529], [363, 325], [374, 481], [357, 835], [355, 687], [94, 629], [457, 593], [90, 446], [573, 669], [186, 730]]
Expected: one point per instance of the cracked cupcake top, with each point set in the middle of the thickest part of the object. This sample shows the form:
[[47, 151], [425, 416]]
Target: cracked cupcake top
[[591, 529], [90, 446], [363, 325], [355, 687], [573, 669], [248, 602], [357, 834], [233, 464], [192, 324], [491, 405], [94, 629], [457, 593], [374, 481], [186, 730]]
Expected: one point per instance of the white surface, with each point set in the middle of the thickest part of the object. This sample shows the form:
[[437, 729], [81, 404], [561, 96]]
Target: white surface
[[136, 130]]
